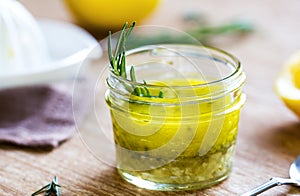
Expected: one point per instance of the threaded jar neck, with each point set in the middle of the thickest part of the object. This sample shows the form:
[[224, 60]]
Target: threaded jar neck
[[186, 74]]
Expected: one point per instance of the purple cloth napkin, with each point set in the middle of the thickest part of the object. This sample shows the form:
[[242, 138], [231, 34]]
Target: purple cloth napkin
[[36, 116]]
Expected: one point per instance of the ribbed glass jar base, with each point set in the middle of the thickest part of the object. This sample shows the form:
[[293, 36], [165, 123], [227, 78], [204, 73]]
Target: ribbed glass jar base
[[171, 187]]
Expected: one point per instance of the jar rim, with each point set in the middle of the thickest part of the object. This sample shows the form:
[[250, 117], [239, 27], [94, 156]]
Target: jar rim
[[232, 76]]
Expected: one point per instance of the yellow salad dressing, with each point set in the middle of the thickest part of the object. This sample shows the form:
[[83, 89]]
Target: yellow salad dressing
[[186, 137]]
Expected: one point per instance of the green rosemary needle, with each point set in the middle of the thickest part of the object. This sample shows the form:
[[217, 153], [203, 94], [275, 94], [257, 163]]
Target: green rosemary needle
[[118, 62], [49, 189]]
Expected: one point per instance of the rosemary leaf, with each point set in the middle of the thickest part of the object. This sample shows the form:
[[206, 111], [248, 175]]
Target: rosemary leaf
[[128, 33], [51, 188], [123, 66], [119, 60], [161, 94], [120, 40], [147, 92], [110, 56], [41, 190], [132, 74], [146, 89], [130, 29], [137, 91], [143, 92]]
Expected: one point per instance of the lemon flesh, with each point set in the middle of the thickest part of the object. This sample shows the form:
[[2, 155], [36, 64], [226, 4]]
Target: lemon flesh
[[287, 85]]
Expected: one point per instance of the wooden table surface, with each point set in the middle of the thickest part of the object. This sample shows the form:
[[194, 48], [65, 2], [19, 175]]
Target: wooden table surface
[[269, 134]]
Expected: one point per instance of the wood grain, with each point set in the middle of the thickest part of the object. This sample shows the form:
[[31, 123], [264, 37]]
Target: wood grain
[[269, 135]]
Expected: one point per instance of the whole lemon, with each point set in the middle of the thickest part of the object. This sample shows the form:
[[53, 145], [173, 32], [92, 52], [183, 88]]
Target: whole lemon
[[103, 15]]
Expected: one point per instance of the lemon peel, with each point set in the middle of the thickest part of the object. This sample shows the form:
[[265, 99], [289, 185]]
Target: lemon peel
[[110, 14]]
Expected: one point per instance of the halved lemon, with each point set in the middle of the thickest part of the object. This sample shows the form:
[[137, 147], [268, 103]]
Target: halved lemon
[[287, 85]]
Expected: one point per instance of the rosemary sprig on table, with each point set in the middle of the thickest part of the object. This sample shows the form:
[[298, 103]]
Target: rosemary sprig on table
[[202, 32], [49, 189], [118, 61]]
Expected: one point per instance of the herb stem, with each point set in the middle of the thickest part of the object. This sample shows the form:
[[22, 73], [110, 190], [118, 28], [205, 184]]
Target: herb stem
[[118, 61]]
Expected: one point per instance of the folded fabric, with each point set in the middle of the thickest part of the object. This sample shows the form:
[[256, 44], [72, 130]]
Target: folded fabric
[[36, 116]]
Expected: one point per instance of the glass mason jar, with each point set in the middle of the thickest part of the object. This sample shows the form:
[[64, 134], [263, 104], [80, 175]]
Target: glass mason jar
[[184, 136]]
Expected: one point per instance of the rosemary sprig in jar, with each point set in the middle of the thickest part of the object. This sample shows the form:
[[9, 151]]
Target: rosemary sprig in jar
[[118, 62]]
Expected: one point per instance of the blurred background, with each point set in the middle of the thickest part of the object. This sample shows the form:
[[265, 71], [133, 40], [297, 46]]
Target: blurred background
[[271, 26], [273, 20]]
